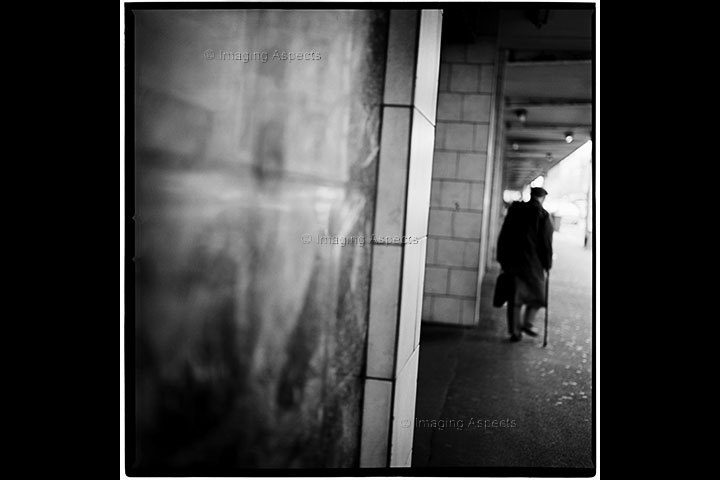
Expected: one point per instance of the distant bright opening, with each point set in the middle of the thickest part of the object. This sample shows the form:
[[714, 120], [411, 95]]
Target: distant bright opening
[[568, 200], [526, 194], [510, 196], [538, 182]]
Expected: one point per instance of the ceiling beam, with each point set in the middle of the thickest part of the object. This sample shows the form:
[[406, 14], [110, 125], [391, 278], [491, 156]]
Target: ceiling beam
[[518, 125], [520, 102], [529, 164], [546, 134], [549, 63], [538, 152], [539, 142]]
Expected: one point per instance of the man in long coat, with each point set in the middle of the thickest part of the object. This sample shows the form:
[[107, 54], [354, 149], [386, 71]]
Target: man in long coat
[[525, 254]]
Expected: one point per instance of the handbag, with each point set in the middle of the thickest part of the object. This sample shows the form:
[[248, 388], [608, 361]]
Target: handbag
[[503, 289]]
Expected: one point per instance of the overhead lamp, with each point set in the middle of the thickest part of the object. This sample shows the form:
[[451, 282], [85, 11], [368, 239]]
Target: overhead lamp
[[549, 157], [515, 146], [569, 137], [521, 114]]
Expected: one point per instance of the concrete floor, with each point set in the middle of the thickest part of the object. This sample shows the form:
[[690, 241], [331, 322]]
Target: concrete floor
[[541, 399]]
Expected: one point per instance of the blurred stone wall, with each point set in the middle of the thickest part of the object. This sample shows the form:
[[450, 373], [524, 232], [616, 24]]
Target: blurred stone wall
[[250, 339], [457, 230]]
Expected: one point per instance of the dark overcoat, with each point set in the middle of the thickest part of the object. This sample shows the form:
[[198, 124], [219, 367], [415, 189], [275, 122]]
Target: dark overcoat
[[525, 250]]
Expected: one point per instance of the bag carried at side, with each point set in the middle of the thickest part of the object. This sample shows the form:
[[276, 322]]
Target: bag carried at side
[[503, 289]]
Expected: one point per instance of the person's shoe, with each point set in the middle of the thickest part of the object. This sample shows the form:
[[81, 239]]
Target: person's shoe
[[530, 331], [515, 338]]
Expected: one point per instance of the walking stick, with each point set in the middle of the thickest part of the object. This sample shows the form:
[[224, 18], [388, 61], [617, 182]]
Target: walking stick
[[547, 305]]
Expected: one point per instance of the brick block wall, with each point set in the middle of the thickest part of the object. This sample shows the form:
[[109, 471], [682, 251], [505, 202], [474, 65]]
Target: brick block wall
[[465, 102]]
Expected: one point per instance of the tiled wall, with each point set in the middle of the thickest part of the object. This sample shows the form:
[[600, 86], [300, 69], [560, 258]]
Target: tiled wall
[[461, 170], [403, 199], [250, 343]]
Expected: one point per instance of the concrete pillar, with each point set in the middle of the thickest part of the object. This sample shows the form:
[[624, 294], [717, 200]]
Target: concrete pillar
[[462, 174], [400, 227], [496, 199]]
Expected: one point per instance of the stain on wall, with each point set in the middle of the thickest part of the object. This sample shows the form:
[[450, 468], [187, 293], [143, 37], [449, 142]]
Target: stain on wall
[[249, 342]]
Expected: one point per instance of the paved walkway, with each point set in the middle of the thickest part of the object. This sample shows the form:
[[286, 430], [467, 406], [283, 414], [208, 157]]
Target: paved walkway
[[540, 399]]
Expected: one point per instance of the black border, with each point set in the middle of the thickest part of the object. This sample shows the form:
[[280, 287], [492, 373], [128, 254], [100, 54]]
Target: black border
[[129, 6], [501, 472], [129, 304]]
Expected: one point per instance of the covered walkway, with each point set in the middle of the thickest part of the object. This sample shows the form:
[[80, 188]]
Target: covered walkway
[[540, 399]]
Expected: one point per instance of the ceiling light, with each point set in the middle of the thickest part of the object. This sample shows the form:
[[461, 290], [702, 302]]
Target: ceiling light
[[569, 137], [521, 114], [515, 147], [549, 157]]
